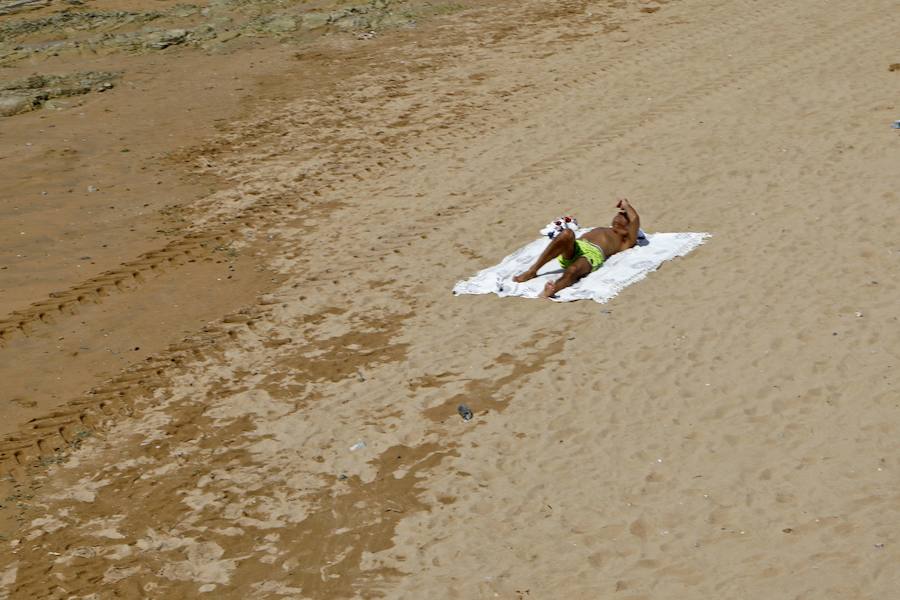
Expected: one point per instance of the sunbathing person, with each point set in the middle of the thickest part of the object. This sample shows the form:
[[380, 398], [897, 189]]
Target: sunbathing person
[[586, 254]]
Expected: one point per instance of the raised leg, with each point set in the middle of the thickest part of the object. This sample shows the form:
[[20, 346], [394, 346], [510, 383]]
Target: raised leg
[[574, 272], [563, 244]]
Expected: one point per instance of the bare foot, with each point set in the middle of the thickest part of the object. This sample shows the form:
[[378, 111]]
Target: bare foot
[[549, 290], [523, 277]]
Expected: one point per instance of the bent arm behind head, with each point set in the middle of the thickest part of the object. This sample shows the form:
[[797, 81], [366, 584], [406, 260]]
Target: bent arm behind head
[[634, 220]]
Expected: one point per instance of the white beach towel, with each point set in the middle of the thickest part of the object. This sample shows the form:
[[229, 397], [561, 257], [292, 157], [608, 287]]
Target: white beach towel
[[617, 273]]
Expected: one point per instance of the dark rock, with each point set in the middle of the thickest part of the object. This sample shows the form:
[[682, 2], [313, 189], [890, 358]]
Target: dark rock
[[164, 39]]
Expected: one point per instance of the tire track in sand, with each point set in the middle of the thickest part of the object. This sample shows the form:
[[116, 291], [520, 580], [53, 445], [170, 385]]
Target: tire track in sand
[[49, 434], [260, 213], [766, 64], [57, 431], [46, 435]]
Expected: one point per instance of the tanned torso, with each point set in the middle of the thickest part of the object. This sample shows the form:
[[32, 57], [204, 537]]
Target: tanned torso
[[608, 240]]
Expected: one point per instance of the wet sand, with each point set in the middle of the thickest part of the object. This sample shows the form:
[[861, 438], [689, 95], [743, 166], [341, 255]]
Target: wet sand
[[725, 428]]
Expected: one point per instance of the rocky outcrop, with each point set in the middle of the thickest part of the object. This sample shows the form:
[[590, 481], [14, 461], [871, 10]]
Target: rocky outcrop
[[78, 30], [12, 7], [32, 92]]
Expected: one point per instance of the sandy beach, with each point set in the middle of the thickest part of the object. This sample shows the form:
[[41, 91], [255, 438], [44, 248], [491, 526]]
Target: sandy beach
[[232, 361]]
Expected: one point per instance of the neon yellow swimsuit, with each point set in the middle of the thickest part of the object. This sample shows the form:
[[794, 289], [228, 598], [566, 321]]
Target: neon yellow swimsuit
[[590, 251]]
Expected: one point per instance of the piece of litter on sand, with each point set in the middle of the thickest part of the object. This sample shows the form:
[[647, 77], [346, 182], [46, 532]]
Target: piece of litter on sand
[[357, 446], [896, 124], [465, 412]]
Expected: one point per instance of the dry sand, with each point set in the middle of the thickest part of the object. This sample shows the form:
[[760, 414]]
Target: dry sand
[[726, 428]]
